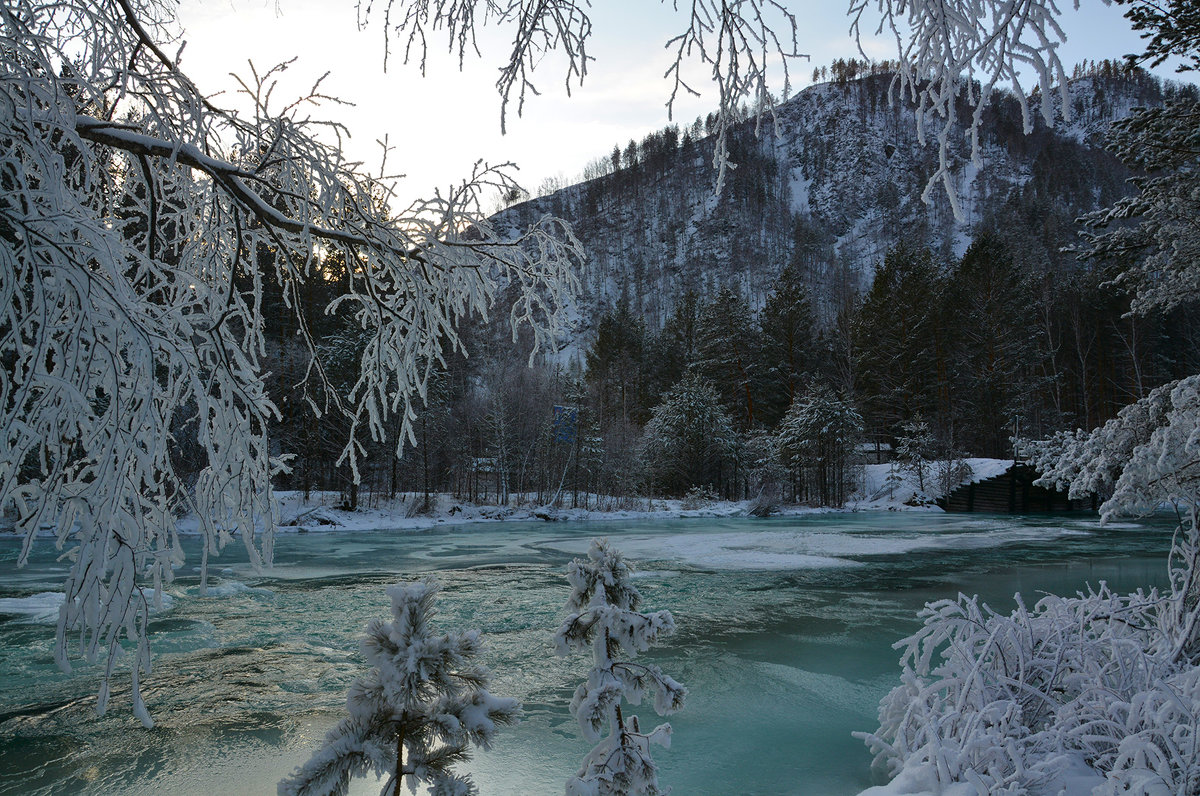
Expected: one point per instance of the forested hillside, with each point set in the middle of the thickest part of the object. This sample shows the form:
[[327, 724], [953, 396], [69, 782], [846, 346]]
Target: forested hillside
[[749, 341]]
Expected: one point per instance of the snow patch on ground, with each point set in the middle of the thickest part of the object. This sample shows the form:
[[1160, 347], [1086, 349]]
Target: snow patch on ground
[[1076, 778], [904, 491], [322, 512], [800, 186], [919, 780]]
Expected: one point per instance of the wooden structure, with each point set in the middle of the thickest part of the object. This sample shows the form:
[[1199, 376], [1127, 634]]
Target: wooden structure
[[1012, 492]]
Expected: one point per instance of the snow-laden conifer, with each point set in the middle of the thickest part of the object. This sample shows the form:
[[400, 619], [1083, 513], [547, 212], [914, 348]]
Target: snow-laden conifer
[[414, 715], [604, 618], [816, 440], [687, 438]]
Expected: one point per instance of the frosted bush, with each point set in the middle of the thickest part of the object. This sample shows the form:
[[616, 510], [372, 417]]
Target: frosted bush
[[1008, 703], [697, 498], [1101, 683]]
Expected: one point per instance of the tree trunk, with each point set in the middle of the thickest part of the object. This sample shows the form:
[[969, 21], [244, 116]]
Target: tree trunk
[[399, 760]]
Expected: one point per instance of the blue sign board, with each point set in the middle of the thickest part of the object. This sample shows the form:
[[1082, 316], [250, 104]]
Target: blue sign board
[[566, 424]]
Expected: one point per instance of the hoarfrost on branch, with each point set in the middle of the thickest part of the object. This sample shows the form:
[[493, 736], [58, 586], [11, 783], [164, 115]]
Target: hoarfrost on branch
[[954, 52], [948, 53], [139, 224]]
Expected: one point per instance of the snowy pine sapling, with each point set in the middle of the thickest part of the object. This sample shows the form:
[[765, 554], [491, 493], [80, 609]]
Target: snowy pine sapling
[[414, 714], [914, 447], [604, 617]]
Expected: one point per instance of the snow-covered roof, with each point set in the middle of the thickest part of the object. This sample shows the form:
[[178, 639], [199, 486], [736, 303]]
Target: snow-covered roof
[[983, 469]]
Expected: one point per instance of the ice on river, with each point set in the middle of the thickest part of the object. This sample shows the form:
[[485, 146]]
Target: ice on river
[[42, 608], [785, 627], [807, 549]]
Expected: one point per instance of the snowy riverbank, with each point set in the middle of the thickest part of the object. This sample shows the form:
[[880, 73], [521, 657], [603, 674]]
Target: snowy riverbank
[[882, 487]]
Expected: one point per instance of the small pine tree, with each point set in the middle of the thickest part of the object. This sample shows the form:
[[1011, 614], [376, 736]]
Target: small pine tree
[[914, 449], [415, 713], [604, 616]]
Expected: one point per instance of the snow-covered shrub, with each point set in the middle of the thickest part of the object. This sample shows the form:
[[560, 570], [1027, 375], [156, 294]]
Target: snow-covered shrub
[[697, 497], [1009, 704], [951, 471], [604, 617], [415, 713], [1101, 687]]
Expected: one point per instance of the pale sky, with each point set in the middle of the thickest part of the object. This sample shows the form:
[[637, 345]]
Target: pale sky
[[441, 124]]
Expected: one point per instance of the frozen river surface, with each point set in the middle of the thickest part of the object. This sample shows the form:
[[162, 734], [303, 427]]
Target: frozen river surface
[[785, 634]]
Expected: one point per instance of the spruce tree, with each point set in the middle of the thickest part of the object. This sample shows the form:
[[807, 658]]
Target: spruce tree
[[788, 349], [726, 349], [816, 440], [898, 354], [997, 335], [616, 367]]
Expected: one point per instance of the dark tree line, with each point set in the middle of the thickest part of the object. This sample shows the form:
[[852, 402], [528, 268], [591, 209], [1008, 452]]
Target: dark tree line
[[734, 400]]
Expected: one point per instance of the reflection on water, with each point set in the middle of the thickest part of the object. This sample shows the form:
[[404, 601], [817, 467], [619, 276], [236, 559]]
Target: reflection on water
[[785, 633]]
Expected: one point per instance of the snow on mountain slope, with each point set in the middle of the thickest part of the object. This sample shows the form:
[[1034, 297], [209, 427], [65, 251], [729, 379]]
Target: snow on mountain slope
[[835, 183]]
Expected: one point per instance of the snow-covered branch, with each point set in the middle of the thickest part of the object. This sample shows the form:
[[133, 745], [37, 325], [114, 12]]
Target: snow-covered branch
[[537, 27], [148, 241], [739, 43], [951, 55], [955, 54]]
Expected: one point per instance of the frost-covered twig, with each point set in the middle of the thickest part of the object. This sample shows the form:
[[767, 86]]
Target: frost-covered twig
[[959, 52], [143, 230], [740, 44]]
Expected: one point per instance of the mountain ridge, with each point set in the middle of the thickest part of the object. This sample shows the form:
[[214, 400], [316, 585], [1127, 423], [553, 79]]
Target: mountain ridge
[[830, 186]]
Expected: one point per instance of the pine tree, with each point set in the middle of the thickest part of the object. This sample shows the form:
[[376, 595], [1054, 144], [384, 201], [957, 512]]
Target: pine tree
[[605, 619], [688, 438], [915, 448], [816, 439], [726, 348], [788, 347], [415, 713]]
